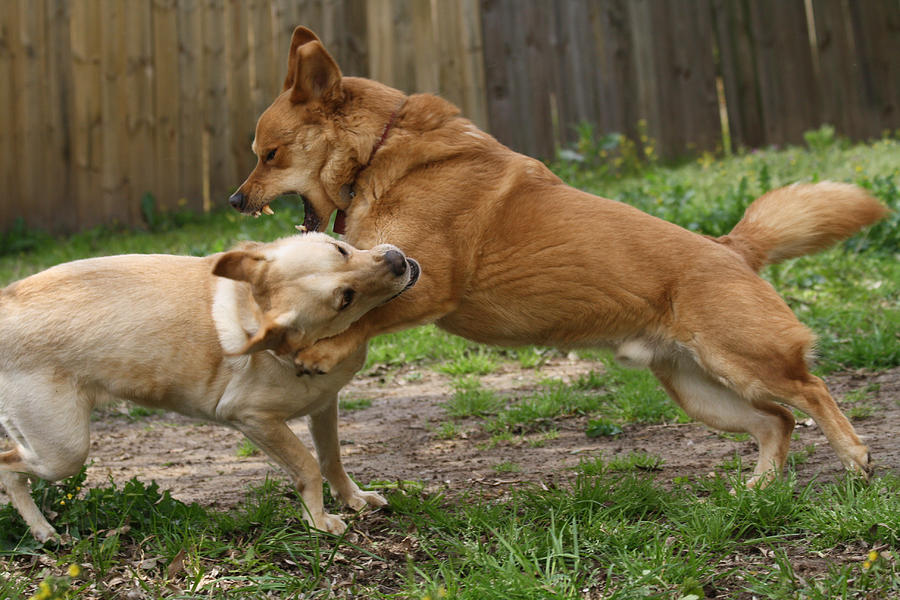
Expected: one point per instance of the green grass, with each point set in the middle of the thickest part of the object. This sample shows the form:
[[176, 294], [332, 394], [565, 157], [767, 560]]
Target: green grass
[[247, 449], [469, 399], [611, 530], [352, 404], [612, 533]]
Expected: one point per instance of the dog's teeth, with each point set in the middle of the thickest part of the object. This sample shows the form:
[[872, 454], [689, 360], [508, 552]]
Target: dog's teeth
[[268, 210], [301, 228]]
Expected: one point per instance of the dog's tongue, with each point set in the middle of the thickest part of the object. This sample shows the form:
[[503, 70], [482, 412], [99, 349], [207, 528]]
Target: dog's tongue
[[340, 222]]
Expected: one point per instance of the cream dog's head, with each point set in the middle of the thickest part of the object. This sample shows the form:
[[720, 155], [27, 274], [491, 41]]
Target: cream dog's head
[[312, 286]]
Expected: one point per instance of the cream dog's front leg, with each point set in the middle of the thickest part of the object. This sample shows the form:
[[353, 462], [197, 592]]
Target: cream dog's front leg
[[276, 439], [323, 426]]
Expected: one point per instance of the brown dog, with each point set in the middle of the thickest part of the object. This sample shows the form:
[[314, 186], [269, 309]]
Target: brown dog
[[193, 335], [513, 256]]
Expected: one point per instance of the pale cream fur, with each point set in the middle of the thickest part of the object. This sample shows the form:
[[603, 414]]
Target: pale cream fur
[[199, 336]]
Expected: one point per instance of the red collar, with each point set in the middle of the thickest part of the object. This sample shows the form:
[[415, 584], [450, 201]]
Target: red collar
[[348, 191]]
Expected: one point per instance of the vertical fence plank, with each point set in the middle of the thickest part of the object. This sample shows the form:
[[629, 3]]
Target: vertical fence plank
[[30, 97], [353, 53], [58, 119], [191, 104], [460, 64], [689, 109], [876, 28], [262, 57], [166, 105], [613, 51], [86, 135], [391, 43], [140, 120], [738, 74], [575, 70], [425, 32], [839, 86], [220, 176], [241, 118], [113, 201], [516, 43], [784, 69], [8, 123]]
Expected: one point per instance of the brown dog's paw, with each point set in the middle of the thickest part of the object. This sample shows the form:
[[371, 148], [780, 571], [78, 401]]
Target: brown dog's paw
[[320, 358], [302, 370]]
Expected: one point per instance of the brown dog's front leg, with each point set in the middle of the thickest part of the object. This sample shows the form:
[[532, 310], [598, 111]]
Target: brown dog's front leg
[[322, 356], [413, 309]]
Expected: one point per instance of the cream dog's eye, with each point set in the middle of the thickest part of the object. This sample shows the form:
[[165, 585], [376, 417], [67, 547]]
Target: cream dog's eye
[[349, 294], [342, 250]]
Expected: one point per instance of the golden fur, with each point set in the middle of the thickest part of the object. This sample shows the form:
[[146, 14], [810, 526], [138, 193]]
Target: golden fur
[[193, 335], [511, 255]]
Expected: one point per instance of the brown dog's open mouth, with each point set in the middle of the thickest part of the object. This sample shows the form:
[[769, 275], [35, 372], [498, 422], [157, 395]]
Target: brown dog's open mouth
[[311, 220]]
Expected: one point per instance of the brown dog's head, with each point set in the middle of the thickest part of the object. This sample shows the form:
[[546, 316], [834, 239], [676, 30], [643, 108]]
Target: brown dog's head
[[316, 134], [313, 286]]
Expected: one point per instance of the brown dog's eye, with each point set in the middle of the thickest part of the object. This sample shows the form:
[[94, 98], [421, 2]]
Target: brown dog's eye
[[271, 154], [349, 294]]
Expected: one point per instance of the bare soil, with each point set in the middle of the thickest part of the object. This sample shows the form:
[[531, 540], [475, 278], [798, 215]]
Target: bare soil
[[396, 439]]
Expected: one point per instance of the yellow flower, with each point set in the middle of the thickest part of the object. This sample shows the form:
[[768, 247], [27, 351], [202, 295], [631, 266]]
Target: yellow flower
[[69, 496], [441, 592], [74, 570], [873, 555], [866, 565], [62, 502]]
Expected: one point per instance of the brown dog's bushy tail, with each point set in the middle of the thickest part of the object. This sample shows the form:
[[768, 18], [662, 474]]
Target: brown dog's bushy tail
[[801, 219]]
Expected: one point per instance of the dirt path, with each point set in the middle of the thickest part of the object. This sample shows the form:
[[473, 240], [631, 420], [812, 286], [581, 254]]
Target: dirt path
[[395, 439]]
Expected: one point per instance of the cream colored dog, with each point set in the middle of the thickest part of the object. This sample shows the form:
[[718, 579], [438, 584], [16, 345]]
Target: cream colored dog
[[199, 336]]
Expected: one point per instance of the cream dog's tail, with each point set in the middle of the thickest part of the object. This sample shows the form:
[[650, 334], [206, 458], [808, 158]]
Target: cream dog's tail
[[801, 219]]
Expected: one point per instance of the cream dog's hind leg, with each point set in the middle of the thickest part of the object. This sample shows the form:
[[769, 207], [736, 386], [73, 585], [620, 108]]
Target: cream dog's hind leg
[[50, 444]]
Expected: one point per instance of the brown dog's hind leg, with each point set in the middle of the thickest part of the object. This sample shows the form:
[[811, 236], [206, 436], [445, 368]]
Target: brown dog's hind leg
[[809, 394], [719, 407]]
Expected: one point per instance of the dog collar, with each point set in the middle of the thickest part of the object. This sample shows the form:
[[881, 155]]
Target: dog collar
[[348, 190]]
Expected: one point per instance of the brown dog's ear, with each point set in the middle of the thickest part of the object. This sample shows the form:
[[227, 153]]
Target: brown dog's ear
[[240, 265], [301, 36], [316, 76]]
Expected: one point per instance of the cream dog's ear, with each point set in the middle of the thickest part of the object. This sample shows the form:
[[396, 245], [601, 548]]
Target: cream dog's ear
[[241, 265]]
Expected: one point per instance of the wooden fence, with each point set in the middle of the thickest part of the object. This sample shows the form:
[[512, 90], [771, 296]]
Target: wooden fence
[[105, 101]]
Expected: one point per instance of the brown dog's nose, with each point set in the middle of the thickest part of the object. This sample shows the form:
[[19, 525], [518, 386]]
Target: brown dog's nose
[[396, 261], [238, 200]]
